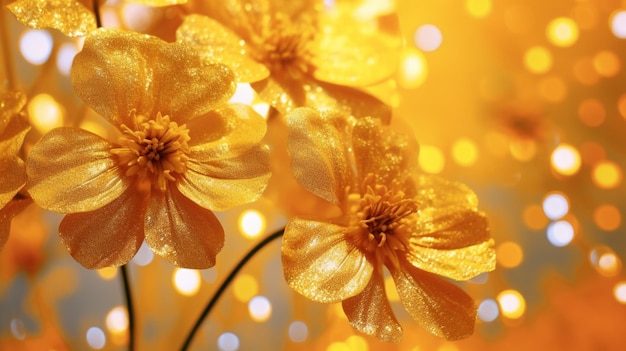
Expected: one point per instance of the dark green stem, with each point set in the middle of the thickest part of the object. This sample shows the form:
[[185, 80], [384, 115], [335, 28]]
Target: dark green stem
[[96, 12], [129, 306], [225, 285]]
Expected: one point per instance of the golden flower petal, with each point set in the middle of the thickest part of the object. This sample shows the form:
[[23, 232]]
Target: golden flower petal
[[438, 197], [351, 50], [227, 179], [390, 156], [440, 307], [108, 236], [320, 264], [159, 3], [319, 152], [11, 167], [71, 170], [219, 44], [11, 104], [6, 215], [369, 312], [182, 232], [118, 71], [70, 17], [360, 103]]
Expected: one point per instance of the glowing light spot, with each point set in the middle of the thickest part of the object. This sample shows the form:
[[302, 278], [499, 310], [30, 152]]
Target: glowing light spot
[[560, 233], [607, 175], [618, 24], [36, 46], [338, 346], [44, 113], [478, 8], [244, 94], [186, 281], [390, 289], [562, 32], [607, 217], [465, 152], [584, 71], [553, 89], [591, 112], [606, 63], [538, 60], [228, 342], [592, 153], [251, 223], [585, 14], [413, 69], [209, 275], [621, 105], [245, 287], [534, 217], [260, 308], [18, 330], [605, 261], [136, 16], [523, 149], [431, 159], [512, 304], [555, 205], [565, 160], [96, 338], [107, 273], [298, 331], [117, 320], [509, 254], [144, 256], [428, 37], [619, 291], [488, 310], [356, 342], [65, 57]]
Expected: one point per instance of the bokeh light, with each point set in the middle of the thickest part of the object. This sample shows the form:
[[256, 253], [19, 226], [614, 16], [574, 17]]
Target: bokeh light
[[618, 24], [251, 223], [431, 159], [65, 57], [478, 8], [538, 60], [96, 339], [36, 46], [565, 160], [107, 273], [186, 281], [413, 69], [606, 63], [464, 152], [562, 31], [509, 254], [18, 330], [45, 113], [553, 89], [592, 112], [144, 256], [534, 217], [607, 175], [512, 304], [245, 287], [607, 217], [228, 342], [619, 291], [260, 308], [298, 331], [605, 261], [428, 37], [488, 310], [555, 205], [560, 233], [117, 320]]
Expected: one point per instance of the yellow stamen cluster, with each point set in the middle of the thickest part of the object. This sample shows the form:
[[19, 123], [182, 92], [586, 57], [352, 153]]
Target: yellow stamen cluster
[[158, 147], [382, 224], [285, 45]]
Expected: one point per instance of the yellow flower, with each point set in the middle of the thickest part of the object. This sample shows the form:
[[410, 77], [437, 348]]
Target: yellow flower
[[418, 227], [13, 128], [72, 18], [299, 53], [181, 153]]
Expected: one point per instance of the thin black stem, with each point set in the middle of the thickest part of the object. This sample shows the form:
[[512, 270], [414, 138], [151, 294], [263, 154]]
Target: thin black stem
[[129, 307], [96, 11], [225, 284], [6, 50]]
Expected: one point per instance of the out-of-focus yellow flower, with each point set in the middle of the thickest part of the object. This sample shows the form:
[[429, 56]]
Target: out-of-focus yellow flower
[[72, 18], [13, 128], [182, 152], [418, 227], [301, 53]]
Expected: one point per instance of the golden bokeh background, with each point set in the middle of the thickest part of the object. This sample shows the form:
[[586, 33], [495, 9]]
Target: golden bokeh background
[[523, 100]]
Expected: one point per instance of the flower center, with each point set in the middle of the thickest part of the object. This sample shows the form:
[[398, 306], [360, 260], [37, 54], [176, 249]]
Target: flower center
[[382, 224], [285, 45], [158, 148]]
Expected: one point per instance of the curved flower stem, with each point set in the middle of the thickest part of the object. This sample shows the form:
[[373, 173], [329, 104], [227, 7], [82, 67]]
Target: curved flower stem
[[225, 284], [6, 50], [129, 307], [96, 12]]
